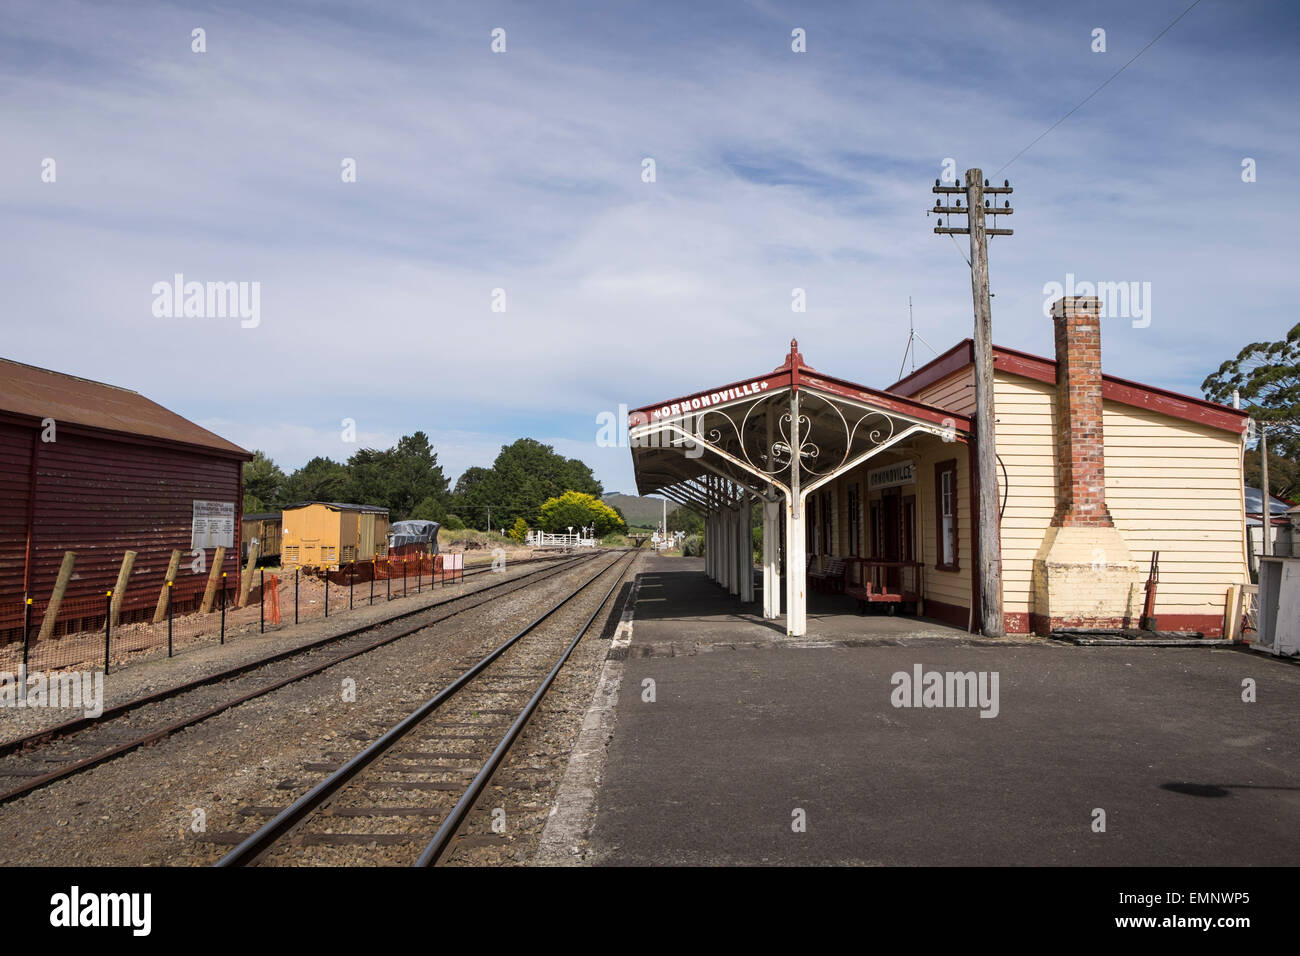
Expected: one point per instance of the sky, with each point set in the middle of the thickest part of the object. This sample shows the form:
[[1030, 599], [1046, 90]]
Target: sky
[[523, 171]]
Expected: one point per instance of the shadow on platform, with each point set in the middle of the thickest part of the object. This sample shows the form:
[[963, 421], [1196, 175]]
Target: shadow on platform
[[677, 603]]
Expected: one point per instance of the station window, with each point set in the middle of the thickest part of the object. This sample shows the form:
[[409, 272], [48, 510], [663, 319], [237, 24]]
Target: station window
[[945, 502]]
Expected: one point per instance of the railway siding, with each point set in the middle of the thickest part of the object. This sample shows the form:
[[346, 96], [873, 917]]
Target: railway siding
[[162, 805]]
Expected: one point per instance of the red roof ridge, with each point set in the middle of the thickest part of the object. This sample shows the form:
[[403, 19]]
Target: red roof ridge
[[1029, 365]]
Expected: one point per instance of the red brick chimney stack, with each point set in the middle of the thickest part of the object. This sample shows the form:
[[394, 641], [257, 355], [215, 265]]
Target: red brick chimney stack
[[1080, 471]]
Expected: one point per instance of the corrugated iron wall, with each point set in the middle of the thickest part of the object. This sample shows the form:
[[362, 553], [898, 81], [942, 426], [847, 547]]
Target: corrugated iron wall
[[100, 497], [15, 479]]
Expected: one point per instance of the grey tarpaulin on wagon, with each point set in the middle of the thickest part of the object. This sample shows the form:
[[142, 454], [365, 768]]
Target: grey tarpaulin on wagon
[[414, 532]]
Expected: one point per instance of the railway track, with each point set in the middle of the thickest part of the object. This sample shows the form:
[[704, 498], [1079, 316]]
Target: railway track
[[435, 763], [64, 750]]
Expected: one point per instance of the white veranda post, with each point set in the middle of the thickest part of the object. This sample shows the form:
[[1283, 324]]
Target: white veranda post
[[771, 555], [796, 619], [746, 549]]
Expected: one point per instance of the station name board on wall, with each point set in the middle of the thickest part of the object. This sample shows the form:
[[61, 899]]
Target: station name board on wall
[[891, 476], [214, 525]]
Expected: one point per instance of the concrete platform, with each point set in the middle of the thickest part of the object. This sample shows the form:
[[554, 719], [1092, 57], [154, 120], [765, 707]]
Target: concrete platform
[[679, 606], [747, 728]]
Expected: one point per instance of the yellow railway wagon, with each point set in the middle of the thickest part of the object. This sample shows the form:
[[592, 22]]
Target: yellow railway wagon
[[265, 530], [330, 535]]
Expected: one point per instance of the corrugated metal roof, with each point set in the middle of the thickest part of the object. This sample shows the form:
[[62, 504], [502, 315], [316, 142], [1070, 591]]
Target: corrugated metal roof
[[1255, 502], [41, 393], [338, 506]]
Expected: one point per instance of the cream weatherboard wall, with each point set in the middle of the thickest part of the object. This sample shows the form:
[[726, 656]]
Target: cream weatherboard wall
[[957, 394], [1025, 409], [1176, 487], [951, 588], [1172, 486]]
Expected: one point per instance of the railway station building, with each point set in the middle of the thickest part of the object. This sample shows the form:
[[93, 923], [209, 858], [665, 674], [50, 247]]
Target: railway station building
[[872, 491]]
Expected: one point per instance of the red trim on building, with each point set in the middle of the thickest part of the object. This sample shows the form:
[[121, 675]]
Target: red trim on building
[[1210, 625], [937, 369], [894, 403], [953, 614], [795, 373], [1123, 391]]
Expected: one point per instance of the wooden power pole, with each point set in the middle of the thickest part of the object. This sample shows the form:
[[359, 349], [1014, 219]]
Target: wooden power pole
[[1266, 515], [990, 544]]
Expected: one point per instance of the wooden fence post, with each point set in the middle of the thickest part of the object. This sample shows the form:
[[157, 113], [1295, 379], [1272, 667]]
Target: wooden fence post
[[119, 592], [246, 584], [214, 578], [173, 566], [60, 585]]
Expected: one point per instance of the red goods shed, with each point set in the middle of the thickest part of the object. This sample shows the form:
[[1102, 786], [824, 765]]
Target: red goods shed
[[100, 470]]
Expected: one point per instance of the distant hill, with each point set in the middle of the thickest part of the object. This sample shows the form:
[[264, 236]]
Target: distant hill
[[644, 512]]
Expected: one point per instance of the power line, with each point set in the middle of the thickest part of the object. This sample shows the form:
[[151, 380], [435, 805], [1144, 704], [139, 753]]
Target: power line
[[1098, 89]]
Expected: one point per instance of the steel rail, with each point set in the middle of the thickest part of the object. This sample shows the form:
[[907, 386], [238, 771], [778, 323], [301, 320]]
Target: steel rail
[[454, 819], [275, 828], [167, 730], [56, 731]]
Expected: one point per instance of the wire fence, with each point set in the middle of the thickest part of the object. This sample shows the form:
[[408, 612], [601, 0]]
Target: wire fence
[[82, 633]]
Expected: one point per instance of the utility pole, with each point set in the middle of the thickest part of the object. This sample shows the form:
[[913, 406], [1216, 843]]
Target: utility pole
[[990, 544], [1267, 513]]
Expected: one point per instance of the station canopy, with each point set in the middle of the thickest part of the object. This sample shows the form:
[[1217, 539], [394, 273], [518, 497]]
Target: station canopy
[[746, 432]]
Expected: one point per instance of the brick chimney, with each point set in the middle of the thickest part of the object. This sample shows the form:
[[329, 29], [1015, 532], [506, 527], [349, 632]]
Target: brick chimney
[[1080, 469], [1083, 574]]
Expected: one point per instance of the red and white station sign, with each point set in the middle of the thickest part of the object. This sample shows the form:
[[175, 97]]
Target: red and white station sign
[[699, 402]]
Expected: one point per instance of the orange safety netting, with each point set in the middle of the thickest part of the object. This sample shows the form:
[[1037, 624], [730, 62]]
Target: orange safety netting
[[275, 600], [412, 567]]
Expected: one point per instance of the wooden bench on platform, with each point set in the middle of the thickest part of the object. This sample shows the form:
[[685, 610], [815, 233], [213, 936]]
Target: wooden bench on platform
[[831, 579], [886, 582]]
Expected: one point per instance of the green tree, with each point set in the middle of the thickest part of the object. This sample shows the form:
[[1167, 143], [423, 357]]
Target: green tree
[[685, 519], [430, 509], [321, 479], [474, 494], [520, 531], [1283, 474], [415, 474], [400, 479], [263, 484], [369, 479], [1266, 376], [524, 474], [573, 509]]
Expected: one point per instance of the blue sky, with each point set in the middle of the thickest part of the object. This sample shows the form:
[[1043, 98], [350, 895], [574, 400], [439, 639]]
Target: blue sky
[[522, 171]]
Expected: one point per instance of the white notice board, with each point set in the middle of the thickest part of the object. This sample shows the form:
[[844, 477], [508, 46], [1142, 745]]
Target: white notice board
[[214, 525]]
